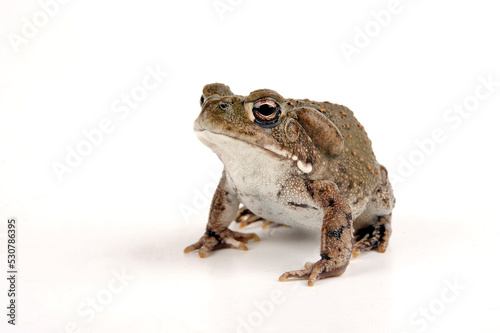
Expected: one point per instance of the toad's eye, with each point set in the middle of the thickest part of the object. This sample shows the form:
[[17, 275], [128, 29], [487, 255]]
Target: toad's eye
[[202, 100], [266, 112]]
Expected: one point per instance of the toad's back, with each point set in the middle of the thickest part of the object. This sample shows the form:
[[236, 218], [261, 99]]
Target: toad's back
[[356, 171]]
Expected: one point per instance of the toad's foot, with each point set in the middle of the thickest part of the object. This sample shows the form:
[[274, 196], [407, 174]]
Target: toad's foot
[[322, 269], [212, 240], [245, 217], [373, 237]]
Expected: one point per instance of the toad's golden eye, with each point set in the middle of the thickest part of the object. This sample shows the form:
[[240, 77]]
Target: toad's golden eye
[[266, 112]]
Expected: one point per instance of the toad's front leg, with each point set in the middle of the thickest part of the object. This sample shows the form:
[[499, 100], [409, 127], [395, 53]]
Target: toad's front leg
[[336, 235], [222, 212]]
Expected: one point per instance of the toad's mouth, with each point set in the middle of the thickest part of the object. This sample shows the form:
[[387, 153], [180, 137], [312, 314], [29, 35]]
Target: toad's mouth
[[213, 140], [223, 143]]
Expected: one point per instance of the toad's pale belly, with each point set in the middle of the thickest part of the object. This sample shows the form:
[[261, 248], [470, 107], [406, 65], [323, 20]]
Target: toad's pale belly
[[295, 213], [292, 216]]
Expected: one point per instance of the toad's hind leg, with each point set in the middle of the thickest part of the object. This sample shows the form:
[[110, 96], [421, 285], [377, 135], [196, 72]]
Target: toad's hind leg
[[245, 217], [373, 226], [375, 236]]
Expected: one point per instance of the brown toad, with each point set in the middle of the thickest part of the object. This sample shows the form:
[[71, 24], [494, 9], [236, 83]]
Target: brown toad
[[294, 162]]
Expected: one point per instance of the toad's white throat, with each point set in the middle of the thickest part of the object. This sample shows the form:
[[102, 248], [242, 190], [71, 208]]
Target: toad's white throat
[[230, 149]]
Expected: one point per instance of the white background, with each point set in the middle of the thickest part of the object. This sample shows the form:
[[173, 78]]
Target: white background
[[142, 194]]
